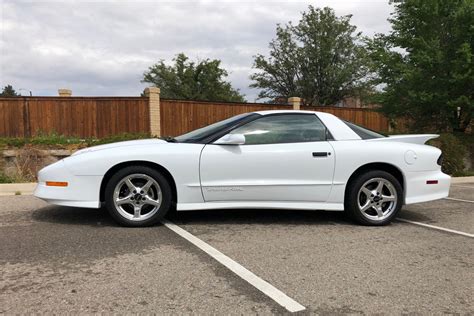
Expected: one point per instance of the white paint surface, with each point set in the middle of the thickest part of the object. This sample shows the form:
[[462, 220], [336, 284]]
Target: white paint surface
[[459, 200], [437, 228]]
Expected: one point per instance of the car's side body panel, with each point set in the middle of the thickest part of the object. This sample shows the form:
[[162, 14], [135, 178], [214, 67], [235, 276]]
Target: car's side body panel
[[299, 172], [87, 171], [284, 205], [352, 155]]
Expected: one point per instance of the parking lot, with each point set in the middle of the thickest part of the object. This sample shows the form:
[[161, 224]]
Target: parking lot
[[56, 259]]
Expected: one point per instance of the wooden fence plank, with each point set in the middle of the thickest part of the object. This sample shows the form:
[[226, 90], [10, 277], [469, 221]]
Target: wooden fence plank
[[105, 116], [179, 117]]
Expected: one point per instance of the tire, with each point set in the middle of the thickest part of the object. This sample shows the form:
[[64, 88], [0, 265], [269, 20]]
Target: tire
[[373, 198], [172, 213], [142, 201]]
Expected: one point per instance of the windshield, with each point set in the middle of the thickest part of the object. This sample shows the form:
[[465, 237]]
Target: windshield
[[363, 132], [205, 132]]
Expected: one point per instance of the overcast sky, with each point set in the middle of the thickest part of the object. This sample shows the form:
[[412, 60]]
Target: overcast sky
[[103, 47]]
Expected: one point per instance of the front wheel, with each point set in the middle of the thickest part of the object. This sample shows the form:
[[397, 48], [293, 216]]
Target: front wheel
[[138, 196], [374, 198]]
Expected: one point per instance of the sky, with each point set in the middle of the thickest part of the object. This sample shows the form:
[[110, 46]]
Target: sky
[[102, 48]]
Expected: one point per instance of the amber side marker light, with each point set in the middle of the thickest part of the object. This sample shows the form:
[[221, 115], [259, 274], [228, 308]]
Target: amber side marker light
[[432, 182], [56, 184]]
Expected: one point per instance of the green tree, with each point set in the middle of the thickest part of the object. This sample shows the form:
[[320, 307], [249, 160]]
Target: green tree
[[321, 59], [425, 64], [203, 80], [8, 91]]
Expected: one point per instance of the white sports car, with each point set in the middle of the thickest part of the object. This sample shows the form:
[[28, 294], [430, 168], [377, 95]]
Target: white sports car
[[298, 160]]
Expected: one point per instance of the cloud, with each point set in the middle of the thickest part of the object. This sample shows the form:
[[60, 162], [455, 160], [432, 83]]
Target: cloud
[[103, 48]]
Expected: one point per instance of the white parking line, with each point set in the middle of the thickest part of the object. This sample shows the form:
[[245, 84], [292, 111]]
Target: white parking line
[[437, 227], [275, 294], [460, 200]]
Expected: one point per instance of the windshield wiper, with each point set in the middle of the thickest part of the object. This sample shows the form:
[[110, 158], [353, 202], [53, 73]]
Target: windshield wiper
[[169, 139]]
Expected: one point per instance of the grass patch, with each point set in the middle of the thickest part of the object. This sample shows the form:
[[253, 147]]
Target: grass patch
[[469, 173], [60, 141], [117, 138]]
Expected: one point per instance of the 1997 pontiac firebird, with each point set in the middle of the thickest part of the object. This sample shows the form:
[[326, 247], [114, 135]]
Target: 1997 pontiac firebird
[[298, 160]]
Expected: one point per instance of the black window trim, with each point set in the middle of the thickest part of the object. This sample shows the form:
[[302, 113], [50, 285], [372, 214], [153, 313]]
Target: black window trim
[[245, 120], [216, 136]]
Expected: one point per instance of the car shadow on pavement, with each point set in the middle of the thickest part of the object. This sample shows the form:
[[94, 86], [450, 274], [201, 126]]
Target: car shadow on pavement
[[100, 217], [413, 216], [278, 216], [73, 216]]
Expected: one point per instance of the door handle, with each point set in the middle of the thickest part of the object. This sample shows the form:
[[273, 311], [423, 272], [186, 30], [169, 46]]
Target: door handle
[[321, 154]]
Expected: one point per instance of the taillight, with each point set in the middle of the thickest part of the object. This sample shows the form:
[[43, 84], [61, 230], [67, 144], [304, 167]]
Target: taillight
[[440, 160]]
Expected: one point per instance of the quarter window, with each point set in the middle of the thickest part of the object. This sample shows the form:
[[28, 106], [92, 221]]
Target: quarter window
[[290, 128], [363, 133]]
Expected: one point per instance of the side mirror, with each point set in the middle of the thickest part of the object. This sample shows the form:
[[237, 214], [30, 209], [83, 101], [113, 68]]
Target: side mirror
[[231, 139]]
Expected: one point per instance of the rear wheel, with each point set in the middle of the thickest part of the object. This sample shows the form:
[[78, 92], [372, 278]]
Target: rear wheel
[[138, 196], [374, 198]]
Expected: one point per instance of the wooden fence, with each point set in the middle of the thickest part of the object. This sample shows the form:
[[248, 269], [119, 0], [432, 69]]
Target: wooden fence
[[365, 117], [73, 116], [178, 116], [104, 116]]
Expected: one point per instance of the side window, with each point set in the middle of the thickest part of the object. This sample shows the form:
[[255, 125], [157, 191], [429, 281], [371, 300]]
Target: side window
[[285, 128]]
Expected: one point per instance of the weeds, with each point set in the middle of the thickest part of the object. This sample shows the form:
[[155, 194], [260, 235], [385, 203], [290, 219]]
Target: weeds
[[6, 179], [56, 140]]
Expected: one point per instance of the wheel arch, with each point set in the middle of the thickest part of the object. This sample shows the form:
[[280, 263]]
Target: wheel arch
[[387, 167], [160, 168]]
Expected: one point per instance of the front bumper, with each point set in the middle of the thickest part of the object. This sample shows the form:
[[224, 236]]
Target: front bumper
[[82, 191], [417, 190]]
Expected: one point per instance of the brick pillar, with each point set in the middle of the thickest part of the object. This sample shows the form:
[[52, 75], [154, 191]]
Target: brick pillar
[[64, 92], [295, 102], [153, 94]]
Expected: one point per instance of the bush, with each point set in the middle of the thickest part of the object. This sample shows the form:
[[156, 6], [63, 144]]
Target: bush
[[453, 152], [5, 179], [28, 162]]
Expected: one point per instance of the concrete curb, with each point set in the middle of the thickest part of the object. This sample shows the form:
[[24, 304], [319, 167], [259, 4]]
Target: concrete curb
[[14, 188], [28, 188], [462, 180]]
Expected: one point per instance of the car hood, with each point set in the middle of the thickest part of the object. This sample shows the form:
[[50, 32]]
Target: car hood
[[140, 142], [413, 139]]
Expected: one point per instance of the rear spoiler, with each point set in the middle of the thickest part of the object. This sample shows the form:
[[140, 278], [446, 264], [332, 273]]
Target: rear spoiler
[[413, 139]]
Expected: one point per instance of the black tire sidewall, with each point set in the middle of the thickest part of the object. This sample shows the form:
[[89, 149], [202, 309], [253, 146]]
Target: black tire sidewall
[[165, 190], [351, 203]]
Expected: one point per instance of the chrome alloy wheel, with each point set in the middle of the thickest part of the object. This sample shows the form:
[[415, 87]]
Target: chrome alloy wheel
[[377, 199], [137, 197]]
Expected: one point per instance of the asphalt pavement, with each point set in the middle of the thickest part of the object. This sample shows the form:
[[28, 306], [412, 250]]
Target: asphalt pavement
[[59, 259]]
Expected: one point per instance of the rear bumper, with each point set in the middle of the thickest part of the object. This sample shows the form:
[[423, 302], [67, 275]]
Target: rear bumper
[[82, 191], [417, 190]]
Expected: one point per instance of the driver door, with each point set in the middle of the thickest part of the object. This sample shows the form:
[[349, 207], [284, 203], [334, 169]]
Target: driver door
[[285, 157]]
